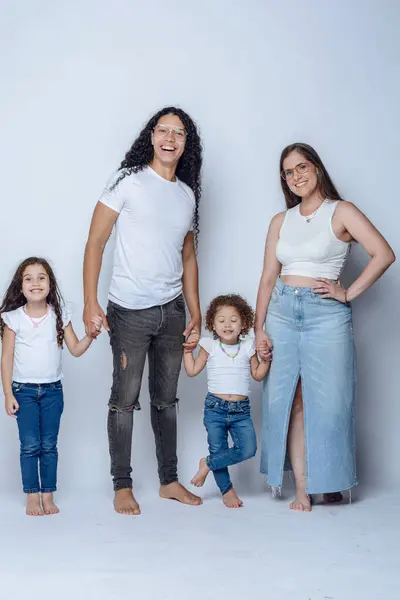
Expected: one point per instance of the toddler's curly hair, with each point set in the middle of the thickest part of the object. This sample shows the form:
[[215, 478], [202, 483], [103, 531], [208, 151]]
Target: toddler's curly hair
[[234, 300]]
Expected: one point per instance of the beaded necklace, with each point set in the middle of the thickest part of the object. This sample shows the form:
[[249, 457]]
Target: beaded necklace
[[232, 356]]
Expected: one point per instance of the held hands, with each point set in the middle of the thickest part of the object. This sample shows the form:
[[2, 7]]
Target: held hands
[[94, 319], [263, 346], [192, 334], [191, 342], [97, 322], [265, 353], [12, 406], [330, 289]]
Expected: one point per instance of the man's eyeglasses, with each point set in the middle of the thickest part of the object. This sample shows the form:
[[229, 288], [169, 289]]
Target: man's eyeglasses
[[164, 130]]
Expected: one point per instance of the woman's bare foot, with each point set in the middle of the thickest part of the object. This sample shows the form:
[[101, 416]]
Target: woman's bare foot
[[125, 503], [48, 504], [201, 475], [301, 503], [176, 491], [231, 500], [333, 498], [33, 506]]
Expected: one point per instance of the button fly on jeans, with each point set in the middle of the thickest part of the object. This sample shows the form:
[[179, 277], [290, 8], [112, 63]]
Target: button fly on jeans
[[296, 291]]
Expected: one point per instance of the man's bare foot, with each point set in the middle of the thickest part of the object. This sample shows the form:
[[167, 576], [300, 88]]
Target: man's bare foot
[[125, 503], [176, 491], [48, 504], [201, 475], [333, 498], [231, 500], [301, 503], [33, 506]]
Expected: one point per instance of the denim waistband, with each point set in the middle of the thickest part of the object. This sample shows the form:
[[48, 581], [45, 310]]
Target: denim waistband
[[283, 288], [228, 404], [38, 385]]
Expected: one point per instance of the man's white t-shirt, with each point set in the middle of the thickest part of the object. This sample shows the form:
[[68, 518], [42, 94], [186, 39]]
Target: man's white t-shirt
[[37, 355], [154, 217]]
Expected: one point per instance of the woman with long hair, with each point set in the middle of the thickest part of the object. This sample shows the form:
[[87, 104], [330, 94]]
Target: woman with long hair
[[305, 316]]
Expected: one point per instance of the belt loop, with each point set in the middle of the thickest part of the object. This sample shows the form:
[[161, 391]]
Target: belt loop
[[281, 286]]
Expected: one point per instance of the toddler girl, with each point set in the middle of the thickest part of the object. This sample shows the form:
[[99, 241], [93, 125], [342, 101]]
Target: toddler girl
[[230, 361], [33, 326]]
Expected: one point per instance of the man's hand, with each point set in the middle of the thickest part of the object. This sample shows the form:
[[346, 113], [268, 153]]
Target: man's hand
[[192, 334], [92, 314]]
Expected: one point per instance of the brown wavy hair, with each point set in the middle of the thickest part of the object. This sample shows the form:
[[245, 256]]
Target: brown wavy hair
[[235, 301], [14, 298], [325, 184]]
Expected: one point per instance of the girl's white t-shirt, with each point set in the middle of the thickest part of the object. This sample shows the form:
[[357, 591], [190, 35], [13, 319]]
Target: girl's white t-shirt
[[226, 375], [37, 356]]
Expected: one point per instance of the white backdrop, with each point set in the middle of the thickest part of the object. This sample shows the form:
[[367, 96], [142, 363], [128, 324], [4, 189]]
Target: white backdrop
[[79, 81]]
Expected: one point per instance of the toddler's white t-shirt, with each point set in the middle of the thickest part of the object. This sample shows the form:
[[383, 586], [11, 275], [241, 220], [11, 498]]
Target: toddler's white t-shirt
[[227, 376]]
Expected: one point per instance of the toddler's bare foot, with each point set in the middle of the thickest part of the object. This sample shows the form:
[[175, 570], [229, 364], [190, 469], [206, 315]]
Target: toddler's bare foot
[[125, 503], [231, 500], [201, 475], [33, 506], [48, 504], [301, 503], [176, 491]]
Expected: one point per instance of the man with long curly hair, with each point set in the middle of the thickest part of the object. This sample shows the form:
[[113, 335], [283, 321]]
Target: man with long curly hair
[[153, 202]]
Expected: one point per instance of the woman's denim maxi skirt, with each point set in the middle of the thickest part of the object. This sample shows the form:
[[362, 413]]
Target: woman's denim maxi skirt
[[312, 338]]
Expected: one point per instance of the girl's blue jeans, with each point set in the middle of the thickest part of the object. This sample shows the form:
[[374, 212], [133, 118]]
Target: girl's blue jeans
[[40, 409]]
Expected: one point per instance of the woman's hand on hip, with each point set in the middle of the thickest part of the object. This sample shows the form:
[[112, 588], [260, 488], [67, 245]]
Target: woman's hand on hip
[[330, 289]]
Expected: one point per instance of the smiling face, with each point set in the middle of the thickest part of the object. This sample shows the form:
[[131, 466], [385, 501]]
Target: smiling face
[[35, 283], [169, 139], [300, 174], [228, 324]]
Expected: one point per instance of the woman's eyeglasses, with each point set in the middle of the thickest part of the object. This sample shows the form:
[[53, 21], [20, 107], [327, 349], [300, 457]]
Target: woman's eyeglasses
[[301, 168]]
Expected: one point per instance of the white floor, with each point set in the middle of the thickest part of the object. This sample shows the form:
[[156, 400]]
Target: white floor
[[349, 552]]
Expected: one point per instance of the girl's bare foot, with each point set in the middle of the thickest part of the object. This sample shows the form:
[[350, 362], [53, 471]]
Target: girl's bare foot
[[301, 503], [125, 503], [33, 506], [48, 504], [231, 500], [201, 475], [176, 491]]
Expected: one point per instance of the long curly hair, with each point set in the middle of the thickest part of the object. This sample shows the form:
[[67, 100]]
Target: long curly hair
[[233, 300], [141, 153], [14, 298], [325, 184]]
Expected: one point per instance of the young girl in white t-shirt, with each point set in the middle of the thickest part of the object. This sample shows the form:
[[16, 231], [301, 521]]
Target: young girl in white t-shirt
[[33, 326], [230, 362]]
